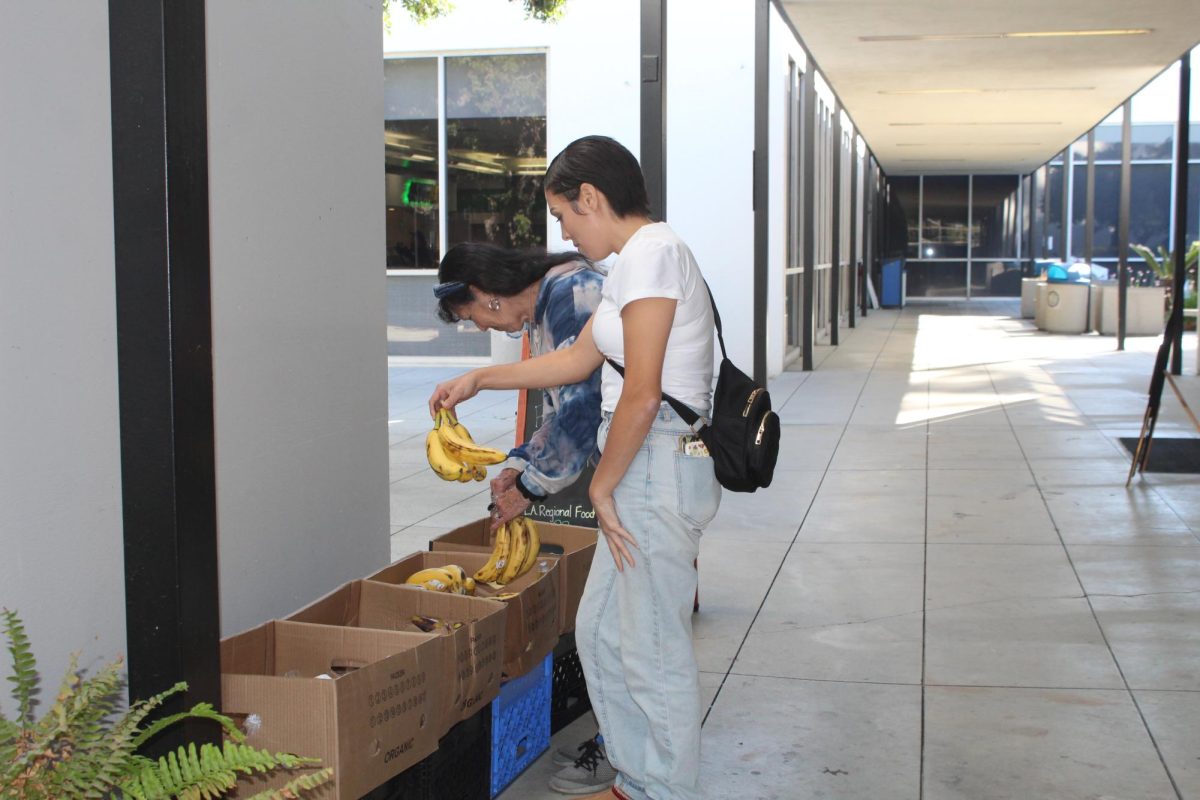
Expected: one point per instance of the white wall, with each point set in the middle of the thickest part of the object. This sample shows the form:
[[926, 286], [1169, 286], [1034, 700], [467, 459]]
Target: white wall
[[61, 547], [710, 145], [593, 77], [295, 96]]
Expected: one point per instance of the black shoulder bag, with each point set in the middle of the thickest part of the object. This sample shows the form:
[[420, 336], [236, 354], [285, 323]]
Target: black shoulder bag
[[743, 436]]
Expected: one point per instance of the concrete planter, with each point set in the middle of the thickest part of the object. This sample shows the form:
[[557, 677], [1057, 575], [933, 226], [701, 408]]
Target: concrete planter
[[1144, 311]]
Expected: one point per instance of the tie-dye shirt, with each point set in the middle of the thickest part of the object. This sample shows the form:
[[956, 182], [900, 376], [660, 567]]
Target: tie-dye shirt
[[558, 451]]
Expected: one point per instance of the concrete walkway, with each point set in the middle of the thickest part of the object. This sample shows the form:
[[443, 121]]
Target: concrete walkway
[[947, 592]]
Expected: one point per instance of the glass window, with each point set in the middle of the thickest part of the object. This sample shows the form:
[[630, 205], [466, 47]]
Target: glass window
[[1153, 142], [906, 192], [1053, 197], [1108, 204], [944, 226], [994, 216], [946, 279], [1150, 205], [496, 149], [411, 162], [995, 278]]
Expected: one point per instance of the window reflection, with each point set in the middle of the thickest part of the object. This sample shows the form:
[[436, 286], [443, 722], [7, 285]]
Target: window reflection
[[411, 162], [496, 149], [906, 190], [945, 279], [995, 278], [994, 216], [944, 222]]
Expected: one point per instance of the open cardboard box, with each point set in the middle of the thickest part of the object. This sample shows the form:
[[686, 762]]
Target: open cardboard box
[[531, 629], [573, 545], [378, 714], [477, 647]]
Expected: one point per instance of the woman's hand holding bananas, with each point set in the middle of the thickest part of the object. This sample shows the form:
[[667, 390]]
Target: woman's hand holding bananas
[[515, 552], [453, 454], [508, 502], [447, 394]]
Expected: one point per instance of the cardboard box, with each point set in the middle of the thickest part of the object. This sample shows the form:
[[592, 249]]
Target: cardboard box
[[531, 629], [574, 546], [377, 716], [477, 647]]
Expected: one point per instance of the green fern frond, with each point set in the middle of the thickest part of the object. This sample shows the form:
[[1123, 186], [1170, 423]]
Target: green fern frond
[[198, 711], [25, 676], [191, 772], [294, 787]]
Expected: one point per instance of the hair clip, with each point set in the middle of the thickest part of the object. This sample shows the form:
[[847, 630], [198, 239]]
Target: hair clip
[[443, 290]]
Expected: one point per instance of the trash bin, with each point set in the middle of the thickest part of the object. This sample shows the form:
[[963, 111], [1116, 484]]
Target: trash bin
[[1029, 296], [1062, 307], [893, 284]]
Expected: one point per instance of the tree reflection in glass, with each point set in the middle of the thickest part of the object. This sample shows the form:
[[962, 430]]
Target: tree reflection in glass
[[496, 149]]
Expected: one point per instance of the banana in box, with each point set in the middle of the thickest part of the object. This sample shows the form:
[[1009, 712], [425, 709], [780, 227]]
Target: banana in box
[[368, 703], [574, 546], [474, 627], [531, 627]]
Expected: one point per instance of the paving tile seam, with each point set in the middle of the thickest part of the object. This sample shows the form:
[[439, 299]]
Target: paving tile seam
[[1145, 594], [736, 674], [1095, 617], [771, 585], [826, 626]]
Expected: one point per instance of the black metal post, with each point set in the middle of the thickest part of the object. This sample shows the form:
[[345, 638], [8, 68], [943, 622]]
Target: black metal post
[[1089, 215], [761, 195], [164, 350], [835, 203], [808, 256], [868, 229], [1181, 210], [1123, 222], [654, 118], [853, 260], [1063, 249]]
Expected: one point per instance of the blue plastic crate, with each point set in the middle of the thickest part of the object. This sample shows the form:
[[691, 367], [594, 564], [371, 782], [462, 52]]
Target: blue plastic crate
[[521, 724]]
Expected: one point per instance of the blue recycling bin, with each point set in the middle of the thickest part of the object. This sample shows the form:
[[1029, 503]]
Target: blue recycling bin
[[893, 284]]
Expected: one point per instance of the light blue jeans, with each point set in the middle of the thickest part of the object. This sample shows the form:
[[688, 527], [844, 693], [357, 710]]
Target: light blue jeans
[[634, 628]]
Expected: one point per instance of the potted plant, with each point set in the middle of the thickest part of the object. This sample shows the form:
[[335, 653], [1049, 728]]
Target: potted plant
[[1148, 304], [86, 746]]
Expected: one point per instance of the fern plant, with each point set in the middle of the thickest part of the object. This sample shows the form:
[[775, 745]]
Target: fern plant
[[1163, 263], [86, 746]]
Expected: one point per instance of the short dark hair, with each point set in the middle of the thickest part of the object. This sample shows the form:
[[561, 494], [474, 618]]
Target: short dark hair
[[606, 164], [496, 270]]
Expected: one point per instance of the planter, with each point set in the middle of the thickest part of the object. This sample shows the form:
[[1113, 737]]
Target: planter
[[1144, 310]]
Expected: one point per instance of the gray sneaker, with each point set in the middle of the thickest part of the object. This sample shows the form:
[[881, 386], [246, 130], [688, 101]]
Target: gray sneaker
[[590, 772], [566, 756]]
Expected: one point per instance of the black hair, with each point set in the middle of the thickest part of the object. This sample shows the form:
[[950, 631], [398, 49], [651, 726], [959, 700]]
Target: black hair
[[495, 270], [606, 164]]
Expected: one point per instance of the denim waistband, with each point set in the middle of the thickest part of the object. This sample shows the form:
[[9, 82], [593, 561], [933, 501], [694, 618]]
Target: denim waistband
[[666, 418]]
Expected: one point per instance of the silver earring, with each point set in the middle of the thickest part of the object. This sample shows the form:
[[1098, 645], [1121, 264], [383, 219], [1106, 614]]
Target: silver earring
[[494, 304]]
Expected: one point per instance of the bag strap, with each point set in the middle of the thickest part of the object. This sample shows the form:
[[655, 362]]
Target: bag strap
[[685, 413], [717, 320]]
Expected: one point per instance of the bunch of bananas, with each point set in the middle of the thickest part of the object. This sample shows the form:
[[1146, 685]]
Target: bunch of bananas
[[431, 624], [453, 454], [515, 553], [451, 579]]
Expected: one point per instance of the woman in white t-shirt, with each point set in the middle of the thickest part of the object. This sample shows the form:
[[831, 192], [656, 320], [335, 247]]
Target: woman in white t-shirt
[[654, 489]]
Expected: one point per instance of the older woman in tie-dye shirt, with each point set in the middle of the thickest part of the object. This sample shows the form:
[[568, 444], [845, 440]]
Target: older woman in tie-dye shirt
[[554, 294]]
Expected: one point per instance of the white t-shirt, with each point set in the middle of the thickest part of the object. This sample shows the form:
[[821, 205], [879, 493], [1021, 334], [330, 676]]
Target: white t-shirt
[[656, 263]]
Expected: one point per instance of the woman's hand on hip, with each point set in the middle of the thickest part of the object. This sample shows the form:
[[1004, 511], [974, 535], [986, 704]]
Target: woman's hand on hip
[[619, 540], [450, 393]]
